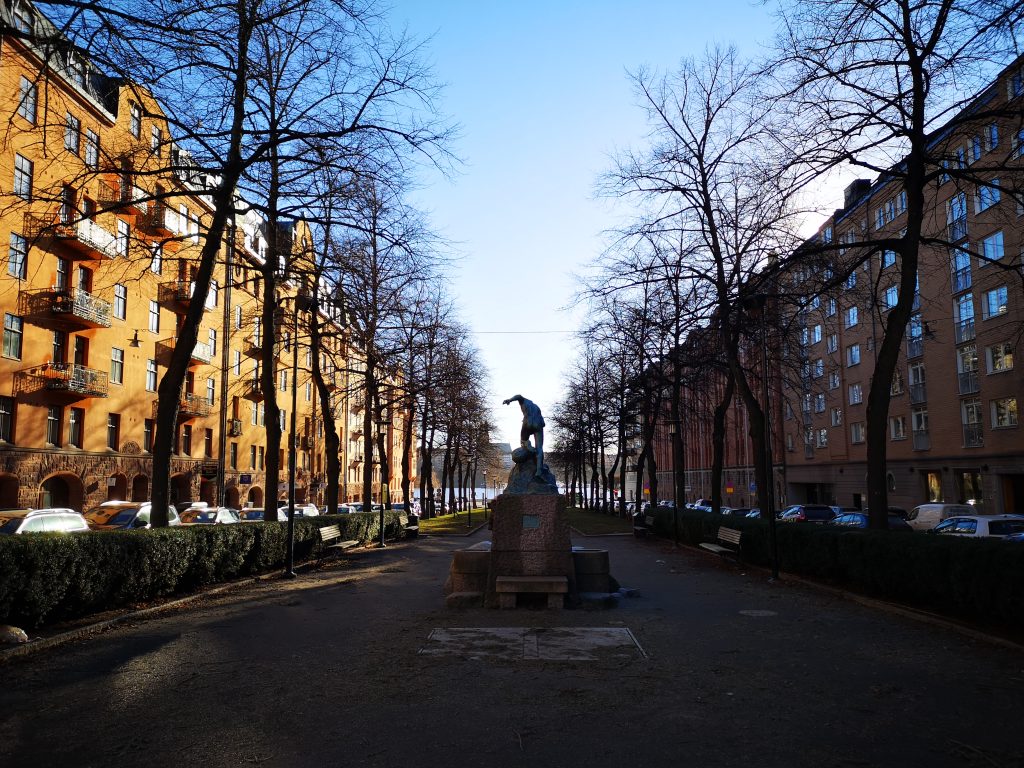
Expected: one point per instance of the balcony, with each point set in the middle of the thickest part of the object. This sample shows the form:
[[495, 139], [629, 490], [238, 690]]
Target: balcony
[[964, 330], [159, 220], [957, 230], [190, 407], [355, 459], [69, 309], [123, 197], [202, 354], [85, 239], [918, 393], [235, 428], [973, 436], [961, 280], [922, 441], [306, 443], [176, 294], [254, 348], [968, 382], [70, 379], [915, 348], [251, 390]]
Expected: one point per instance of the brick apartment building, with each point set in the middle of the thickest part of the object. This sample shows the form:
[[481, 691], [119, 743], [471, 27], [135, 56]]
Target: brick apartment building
[[100, 270], [953, 421]]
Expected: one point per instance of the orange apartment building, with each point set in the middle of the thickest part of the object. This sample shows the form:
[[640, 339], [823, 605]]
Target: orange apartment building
[[102, 244], [953, 432]]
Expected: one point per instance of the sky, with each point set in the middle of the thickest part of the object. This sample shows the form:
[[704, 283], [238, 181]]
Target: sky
[[541, 93]]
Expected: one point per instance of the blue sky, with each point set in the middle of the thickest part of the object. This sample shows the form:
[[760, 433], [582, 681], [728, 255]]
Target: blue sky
[[541, 93]]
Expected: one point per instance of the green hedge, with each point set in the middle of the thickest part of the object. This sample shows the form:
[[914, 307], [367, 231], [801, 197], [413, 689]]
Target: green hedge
[[46, 577], [979, 580]]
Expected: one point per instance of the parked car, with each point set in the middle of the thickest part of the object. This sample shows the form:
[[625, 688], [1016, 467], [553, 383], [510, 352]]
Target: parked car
[[926, 516], [844, 510], [860, 520], [254, 515], [993, 526], [807, 513], [127, 515], [301, 510], [737, 511], [357, 506], [754, 514], [210, 516], [898, 511], [48, 520], [181, 506]]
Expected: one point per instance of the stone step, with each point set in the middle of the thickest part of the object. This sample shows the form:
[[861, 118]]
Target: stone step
[[532, 584]]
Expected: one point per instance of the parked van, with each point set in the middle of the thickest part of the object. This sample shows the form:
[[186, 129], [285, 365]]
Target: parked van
[[927, 516]]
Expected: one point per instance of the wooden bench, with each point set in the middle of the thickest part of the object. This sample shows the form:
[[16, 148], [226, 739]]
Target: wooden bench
[[728, 542], [331, 533], [508, 587]]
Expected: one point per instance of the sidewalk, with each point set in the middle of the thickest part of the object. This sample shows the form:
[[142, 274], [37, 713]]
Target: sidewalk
[[325, 670]]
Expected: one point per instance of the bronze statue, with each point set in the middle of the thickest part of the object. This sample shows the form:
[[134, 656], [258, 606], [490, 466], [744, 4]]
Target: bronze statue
[[533, 424]]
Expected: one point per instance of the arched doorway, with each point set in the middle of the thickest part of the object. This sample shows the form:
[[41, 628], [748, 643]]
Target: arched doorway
[[207, 491], [181, 488], [231, 497], [255, 497], [62, 490], [117, 487], [9, 491], [140, 488]]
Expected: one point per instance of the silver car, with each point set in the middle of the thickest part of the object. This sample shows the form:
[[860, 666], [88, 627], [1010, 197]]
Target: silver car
[[49, 520]]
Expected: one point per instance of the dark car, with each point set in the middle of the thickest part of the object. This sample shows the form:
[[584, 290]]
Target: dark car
[[807, 513], [860, 520]]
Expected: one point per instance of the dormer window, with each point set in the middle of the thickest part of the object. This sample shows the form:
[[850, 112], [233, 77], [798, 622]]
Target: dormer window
[[23, 18], [76, 69]]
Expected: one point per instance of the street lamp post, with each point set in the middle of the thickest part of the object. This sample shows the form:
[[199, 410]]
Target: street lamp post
[[675, 486]]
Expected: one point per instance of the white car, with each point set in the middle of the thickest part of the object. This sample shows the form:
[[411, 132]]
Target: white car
[[992, 526], [49, 520]]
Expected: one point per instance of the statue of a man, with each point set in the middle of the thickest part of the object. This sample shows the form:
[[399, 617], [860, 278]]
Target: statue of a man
[[533, 424]]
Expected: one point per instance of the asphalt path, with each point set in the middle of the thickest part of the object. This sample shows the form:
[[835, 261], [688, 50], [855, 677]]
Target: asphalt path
[[325, 671]]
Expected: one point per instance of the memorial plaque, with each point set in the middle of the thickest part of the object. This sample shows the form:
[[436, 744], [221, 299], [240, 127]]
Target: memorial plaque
[[531, 521]]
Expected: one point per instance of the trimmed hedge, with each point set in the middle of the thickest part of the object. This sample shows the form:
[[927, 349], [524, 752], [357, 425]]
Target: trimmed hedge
[[979, 580], [46, 577]]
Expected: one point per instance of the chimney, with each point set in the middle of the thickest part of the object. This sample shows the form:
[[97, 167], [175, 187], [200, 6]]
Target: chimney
[[854, 192]]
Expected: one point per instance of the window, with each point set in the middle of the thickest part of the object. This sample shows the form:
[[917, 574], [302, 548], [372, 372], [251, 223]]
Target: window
[[151, 375], [888, 258], [262, 462], [833, 380], [211, 390], [815, 334], [832, 342], [233, 455], [72, 133], [1004, 412], [896, 387], [991, 249], [836, 417], [23, 19], [213, 341], [148, 429], [17, 257], [120, 301], [919, 420], [113, 431], [995, 302], [54, 420], [851, 317], [956, 217], [987, 196], [123, 233], [208, 443], [851, 281], [22, 177], [831, 308], [76, 427], [252, 457], [28, 99], [857, 432], [156, 264], [154, 316], [970, 411], [853, 355], [992, 137], [880, 218], [284, 381], [856, 394], [156, 140], [892, 295], [823, 438], [309, 391], [898, 427], [14, 328], [76, 69], [819, 402], [237, 364], [238, 317], [211, 295], [135, 119], [186, 439], [999, 357], [976, 149], [92, 149], [901, 202], [7, 419], [116, 366]]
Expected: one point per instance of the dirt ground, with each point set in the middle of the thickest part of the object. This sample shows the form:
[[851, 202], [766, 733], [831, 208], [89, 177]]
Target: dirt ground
[[326, 670]]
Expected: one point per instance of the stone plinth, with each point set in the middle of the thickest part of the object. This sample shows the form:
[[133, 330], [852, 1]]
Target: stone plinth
[[530, 537]]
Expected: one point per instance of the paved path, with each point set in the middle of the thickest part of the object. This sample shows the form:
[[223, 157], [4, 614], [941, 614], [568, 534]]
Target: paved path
[[326, 671]]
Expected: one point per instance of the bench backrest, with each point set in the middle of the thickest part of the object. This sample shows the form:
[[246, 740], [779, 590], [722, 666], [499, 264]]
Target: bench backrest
[[329, 532], [730, 535]]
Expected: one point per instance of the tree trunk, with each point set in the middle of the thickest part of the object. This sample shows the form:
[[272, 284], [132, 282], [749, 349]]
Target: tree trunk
[[718, 442]]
